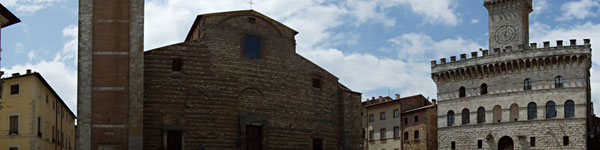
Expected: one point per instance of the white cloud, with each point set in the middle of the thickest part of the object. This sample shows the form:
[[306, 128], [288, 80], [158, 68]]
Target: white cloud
[[60, 72], [473, 21], [541, 32], [28, 6], [434, 11], [539, 6], [578, 10], [369, 10], [409, 72]]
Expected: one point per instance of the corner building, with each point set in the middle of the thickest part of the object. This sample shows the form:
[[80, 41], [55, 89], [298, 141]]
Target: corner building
[[515, 95], [236, 82]]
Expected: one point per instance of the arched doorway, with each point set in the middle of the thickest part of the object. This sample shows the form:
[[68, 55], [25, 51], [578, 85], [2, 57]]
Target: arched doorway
[[505, 143]]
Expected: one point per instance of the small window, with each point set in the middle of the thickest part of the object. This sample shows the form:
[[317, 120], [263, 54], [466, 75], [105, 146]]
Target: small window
[[484, 89], [317, 144], [396, 132], [569, 109], [396, 113], [251, 47], [465, 114], [251, 20], [565, 140], [481, 115], [558, 82], [39, 125], [13, 148], [177, 65], [480, 144], [453, 145], [14, 89], [14, 125], [527, 84], [371, 135], [316, 83], [450, 118], [406, 136], [416, 135], [371, 118], [531, 141], [382, 116], [382, 133], [405, 121], [550, 110], [462, 92], [416, 119], [531, 111]]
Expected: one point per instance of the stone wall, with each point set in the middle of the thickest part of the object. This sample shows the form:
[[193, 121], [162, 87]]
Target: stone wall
[[219, 91]]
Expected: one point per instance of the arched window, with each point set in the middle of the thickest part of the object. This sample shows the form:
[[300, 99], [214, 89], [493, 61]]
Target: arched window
[[484, 89], [527, 84], [531, 111], [558, 82], [497, 113], [569, 109], [416, 135], [550, 110], [406, 136], [514, 112], [465, 116], [480, 115], [450, 118], [462, 92]]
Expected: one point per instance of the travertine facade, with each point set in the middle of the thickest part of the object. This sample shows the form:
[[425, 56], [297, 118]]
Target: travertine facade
[[518, 96], [400, 123], [206, 92]]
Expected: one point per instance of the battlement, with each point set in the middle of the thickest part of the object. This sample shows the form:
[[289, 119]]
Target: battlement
[[508, 50]]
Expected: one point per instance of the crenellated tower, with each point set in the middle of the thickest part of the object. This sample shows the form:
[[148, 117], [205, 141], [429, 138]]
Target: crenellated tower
[[508, 24]]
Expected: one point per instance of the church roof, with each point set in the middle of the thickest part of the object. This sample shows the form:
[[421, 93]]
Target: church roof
[[12, 19], [239, 12]]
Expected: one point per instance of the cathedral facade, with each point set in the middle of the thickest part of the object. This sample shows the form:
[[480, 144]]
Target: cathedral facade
[[516, 95], [236, 82]]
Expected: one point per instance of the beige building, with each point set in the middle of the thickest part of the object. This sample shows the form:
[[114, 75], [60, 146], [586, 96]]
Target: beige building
[[400, 123], [515, 95], [33, 116]]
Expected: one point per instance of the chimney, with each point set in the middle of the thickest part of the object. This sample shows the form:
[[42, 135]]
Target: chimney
[[573, 42], [452, 58], [434, 101], [484, 53], [28, 71], [473, 54], [533, 45], [547, 44], [15, 74], [443, 61], [380, 98], [463, 57], [397, 96], [586, 41], [559, 43]]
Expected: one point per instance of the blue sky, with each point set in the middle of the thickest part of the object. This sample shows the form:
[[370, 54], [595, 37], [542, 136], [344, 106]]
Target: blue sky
[[377, 47]]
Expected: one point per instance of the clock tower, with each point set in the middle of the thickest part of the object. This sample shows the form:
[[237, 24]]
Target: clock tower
[[508, 24]]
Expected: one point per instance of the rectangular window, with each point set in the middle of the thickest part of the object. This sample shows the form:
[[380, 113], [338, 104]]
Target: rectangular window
[[371, 135], [382, 133], [46, 99], [565, 140], [13, 148], [396, 113], [316, 83], [14, 125], [174, 140], [405, 121], [253, 137], [396, 132], [371, 118], [480, 144], [364, 133], [39, 127], [531, 141], [382, 116], [177, 65], [53, 135], [14, 89], [416, 119], [453, 145], [251, 47], [317, 144]]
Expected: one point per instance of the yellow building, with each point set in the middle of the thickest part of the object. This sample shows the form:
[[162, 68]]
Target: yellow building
[[33, 116]]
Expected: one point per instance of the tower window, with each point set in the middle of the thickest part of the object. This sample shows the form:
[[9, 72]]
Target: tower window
[[558, 82], [14, 89], [569, 109], [479, 144], [462, 92], [316, 83], [480, 115], [484, 89], [252, 47], [550, 110], [565, 140], [465, 116], [450, 118], [531, 141], [527, 84]]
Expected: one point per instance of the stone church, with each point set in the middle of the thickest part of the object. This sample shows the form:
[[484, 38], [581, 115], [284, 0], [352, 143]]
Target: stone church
[[516, 95], [236, 82]]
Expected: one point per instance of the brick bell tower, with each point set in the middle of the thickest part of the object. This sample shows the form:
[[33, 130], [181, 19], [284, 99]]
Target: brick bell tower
[[508, 24], [110, 75]]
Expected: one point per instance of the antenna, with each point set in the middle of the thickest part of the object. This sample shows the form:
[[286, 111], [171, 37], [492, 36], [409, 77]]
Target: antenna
[[251, 3]]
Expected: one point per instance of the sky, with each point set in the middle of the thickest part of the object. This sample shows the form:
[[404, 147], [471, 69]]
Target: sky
[[376, 47]]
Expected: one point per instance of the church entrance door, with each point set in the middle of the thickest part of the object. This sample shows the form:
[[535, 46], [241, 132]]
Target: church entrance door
[[505, 143]]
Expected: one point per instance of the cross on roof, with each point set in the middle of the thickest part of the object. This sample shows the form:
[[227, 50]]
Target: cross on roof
[[251, 3]]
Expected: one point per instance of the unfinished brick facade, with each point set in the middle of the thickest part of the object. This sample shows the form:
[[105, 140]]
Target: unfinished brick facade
[[206, 93]]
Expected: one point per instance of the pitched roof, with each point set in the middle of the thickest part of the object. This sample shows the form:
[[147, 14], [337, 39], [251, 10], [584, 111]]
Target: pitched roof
[[12, 19]]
